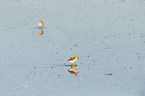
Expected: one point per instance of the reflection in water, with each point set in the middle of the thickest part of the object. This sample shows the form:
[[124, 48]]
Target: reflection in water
[[41, 31], [73, 71]]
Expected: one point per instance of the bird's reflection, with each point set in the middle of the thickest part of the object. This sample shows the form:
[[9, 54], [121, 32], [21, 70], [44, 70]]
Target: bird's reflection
[[72, 70], [41, 31]]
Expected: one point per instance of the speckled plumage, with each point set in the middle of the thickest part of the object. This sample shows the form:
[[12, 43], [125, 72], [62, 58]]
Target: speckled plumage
[[72, 59]]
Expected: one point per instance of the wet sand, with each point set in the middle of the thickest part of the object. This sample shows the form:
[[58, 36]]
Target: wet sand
[[108, 37]]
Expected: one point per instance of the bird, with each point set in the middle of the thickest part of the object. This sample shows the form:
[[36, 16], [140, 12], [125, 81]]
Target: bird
[[73, 59], [40, 24]]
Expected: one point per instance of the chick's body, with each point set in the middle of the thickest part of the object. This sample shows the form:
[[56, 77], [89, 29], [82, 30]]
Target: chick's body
[[73, 59], [40, 23]]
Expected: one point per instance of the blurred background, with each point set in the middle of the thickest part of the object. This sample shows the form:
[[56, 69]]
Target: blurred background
[[107, 35]]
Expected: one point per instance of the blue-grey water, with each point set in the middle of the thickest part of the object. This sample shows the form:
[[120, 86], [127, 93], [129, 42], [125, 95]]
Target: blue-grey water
[[107, 35]]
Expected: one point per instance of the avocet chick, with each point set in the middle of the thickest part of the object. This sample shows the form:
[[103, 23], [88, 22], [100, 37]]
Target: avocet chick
[[40, 24], [73, 59]]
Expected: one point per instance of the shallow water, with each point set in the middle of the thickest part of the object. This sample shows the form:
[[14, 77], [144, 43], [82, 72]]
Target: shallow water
[[107, 36]]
